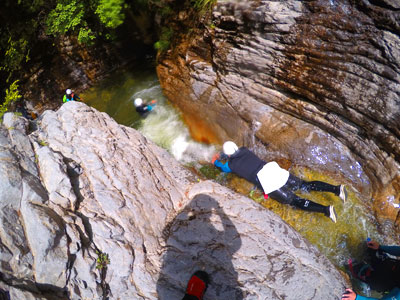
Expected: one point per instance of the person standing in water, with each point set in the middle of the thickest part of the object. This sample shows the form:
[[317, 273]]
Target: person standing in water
[[275, 181], [142, 108]]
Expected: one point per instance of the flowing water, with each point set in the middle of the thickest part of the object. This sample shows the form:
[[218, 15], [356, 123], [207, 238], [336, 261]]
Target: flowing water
[[164, 125]]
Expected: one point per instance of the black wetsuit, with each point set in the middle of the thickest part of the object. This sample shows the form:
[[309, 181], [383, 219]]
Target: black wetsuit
[[383, 273], [246, 164], [143, 109]]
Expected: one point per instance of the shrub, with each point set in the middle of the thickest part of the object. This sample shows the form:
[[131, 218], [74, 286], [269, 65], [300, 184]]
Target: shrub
[[110, 12], [12, 95], [65, 17], [165, 39], [102, 260]]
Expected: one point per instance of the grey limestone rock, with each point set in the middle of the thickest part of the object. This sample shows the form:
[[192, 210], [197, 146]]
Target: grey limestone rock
[[102, 188]]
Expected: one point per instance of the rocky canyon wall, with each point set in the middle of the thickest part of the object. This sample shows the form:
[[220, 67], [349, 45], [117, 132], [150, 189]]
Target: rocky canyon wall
[[316, 82]]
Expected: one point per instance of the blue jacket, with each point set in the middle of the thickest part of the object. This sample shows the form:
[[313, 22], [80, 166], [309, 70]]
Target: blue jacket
[[144, 109], [393, 295]]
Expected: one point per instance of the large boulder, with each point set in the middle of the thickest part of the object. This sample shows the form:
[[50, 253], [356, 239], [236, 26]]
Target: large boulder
[[93, 210], [317, 81]]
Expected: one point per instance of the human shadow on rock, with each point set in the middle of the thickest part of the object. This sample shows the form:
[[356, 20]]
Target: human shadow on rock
[[201, 237]]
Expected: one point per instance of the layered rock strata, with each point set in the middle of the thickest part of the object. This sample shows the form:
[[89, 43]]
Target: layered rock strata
[[313, 80]]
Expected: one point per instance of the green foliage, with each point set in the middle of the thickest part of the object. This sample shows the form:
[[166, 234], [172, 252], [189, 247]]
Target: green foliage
[[15, 53], [86, 36], [18, 28], [102, 260], [203, 5], [110, 12], [165, 39], [65, 17], [74, 17], [12, 95]]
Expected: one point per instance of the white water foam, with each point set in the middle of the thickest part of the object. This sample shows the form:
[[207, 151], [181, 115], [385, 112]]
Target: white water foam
[[165, 127]]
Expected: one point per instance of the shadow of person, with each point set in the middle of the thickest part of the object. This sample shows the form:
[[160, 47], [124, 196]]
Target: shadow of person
[[201, 237]]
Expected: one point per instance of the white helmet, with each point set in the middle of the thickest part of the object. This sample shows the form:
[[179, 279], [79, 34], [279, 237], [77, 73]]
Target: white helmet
[[68, 92], [138, 102], [230, 148]]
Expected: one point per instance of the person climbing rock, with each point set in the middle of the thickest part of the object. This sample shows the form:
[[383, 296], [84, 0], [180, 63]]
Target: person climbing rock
[[380, 271], [70, 96], [197, 286], [142, 108], [349, 294], [275, 181]]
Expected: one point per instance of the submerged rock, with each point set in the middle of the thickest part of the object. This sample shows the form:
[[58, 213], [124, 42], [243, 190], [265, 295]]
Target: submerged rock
[[93, 210], [318, 81]]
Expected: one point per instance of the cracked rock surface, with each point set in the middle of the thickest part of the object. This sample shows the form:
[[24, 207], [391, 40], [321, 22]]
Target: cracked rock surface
[[78, 185]]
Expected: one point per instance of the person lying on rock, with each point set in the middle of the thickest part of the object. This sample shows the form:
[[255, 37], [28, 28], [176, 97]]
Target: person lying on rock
[[142, 108], [70, 96], [275, 181], [380, 271]]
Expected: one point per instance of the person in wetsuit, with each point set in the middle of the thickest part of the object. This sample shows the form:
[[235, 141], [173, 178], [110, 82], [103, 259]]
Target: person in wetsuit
[[142, 108], [380, 271], [70, 96], [276, 182]]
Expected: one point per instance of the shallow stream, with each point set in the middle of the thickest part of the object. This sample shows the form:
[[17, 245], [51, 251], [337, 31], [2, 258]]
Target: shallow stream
[[339, 242]]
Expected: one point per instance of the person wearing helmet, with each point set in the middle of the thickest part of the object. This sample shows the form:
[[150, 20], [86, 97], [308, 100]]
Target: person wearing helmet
[[275, 181], [70, 96], [142, 108]]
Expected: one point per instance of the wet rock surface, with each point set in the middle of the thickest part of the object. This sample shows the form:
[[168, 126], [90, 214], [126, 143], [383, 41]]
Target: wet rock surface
[[316, 81], [93, 210]]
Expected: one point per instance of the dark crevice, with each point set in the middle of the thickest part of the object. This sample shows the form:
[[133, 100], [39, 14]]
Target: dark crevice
[[383, 4], [88, 230], [74, 170], [46, 291]]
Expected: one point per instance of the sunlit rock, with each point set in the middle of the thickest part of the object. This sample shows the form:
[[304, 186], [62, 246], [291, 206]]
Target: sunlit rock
[[107, 213]]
